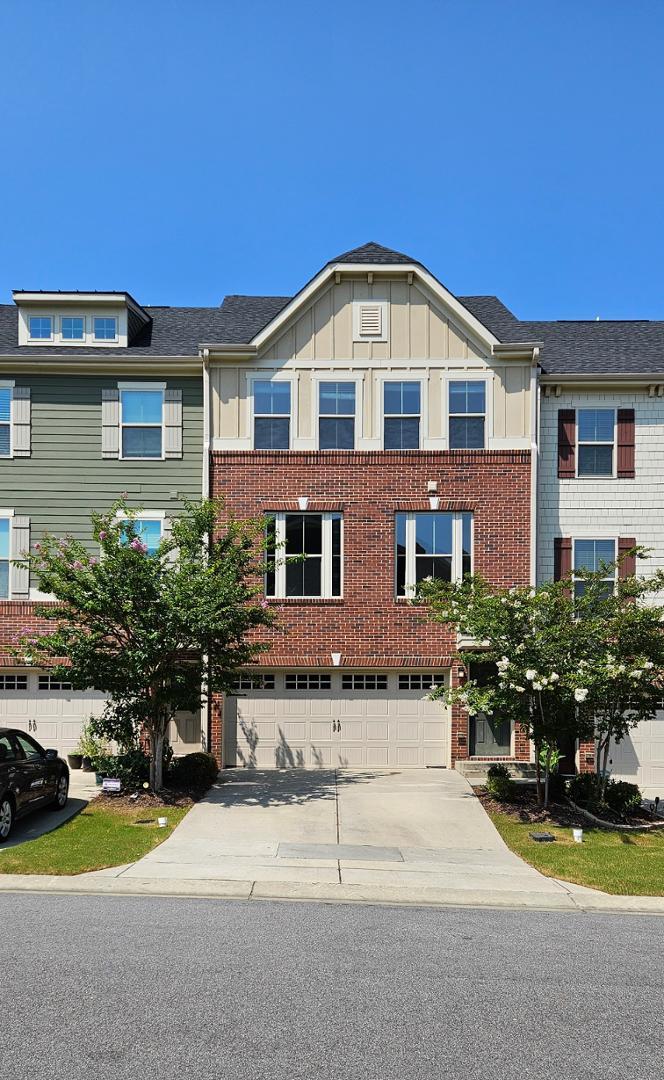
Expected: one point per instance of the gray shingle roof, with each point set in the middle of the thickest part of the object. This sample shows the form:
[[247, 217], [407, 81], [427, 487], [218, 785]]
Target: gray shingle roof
[[568, 347]]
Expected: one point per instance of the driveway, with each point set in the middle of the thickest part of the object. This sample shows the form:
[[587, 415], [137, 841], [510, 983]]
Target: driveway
[[416, 829]]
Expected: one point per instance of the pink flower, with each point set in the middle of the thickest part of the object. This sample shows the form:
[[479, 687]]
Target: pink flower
[[37, 547], [264, 604], [77, 564], [103, 534], [94, 560], [138, 545]]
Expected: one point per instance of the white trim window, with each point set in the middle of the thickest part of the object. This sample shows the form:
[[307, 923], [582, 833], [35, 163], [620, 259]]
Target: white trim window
[[148, 528], [5, 557], [336, 415], [365, 683], [304, 555], [40, 327], [142, 422], [13, 682], [48, 683], [421, 681], [6, 397], [72, 327], [594, 555], [596, 434], [105, 328], [253, 680], [435, 544], [304, 680], [467, 414], [402, 409], [272, 414]]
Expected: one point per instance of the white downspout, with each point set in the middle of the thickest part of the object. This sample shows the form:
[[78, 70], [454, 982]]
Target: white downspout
[[205, 493], [534, 462]]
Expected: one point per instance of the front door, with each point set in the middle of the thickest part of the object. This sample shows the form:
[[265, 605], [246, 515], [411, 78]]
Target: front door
[[489, 737]]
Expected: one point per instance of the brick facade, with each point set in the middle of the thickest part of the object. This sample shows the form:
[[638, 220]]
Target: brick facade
[[369, 626]]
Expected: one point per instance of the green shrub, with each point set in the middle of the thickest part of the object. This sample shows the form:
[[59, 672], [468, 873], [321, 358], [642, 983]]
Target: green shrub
[[496, 770], [557, 787], [501, 787], [623, 798], [193, 772], [583, 790]]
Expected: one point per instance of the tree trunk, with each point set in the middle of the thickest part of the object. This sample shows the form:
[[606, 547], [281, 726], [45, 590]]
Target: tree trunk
[[538, 774], [547, 773], [157, 757], [605, 761]]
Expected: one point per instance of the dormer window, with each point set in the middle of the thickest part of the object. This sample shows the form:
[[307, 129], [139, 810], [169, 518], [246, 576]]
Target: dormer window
[[72, 328], [105, 329], [41, 327]]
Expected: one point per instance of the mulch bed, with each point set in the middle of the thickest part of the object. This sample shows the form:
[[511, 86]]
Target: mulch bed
[[145, 800], [524, 809]]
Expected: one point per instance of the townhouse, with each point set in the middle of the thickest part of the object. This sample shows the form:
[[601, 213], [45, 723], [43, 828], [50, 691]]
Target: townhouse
[[387, 430]]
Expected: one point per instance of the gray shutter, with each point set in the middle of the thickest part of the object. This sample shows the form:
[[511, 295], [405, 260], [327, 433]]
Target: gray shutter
[[21, 422], [173, 423], [110, 422], [167, 534], [19, 576]]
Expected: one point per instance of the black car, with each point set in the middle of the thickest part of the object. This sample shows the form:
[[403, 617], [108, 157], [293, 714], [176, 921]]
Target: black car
[[31, 778]]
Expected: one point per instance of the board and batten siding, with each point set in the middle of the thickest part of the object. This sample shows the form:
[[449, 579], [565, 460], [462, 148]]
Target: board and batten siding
[[66, 478], [423, 342]]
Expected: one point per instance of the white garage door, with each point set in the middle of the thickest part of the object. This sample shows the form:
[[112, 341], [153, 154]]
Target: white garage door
[[328, 719], [640, 757], [54, 713]]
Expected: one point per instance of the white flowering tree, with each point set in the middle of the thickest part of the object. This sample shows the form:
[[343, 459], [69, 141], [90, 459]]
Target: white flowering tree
[[569, 659]]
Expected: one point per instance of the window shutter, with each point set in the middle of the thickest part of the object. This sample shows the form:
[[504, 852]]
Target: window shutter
[[626, 444], [562, 557], [19, 576], [566, 443], [173, 423], [21, 422], [627, 566], [167, 534], [110, 422]]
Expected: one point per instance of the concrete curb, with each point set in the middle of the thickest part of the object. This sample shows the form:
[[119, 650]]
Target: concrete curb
[[226, 889]]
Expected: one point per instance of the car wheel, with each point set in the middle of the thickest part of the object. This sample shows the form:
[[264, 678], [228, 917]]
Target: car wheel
[[61, 792], [6, 818]]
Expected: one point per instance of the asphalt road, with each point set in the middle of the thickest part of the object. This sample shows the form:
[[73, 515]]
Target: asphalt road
[[142, 987]]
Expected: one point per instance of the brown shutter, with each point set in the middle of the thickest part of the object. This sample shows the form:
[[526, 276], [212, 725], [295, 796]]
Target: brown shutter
[[566, 443], [625, 444], [627, 567], [562, 557]]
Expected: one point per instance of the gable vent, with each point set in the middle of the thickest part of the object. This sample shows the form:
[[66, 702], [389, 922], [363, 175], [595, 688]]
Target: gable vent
[[371, 321]]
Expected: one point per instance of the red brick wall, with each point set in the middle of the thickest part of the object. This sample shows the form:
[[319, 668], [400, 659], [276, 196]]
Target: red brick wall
[[17, 617], [369, 627]]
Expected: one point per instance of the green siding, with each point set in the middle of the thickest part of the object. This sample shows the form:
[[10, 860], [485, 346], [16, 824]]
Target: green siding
[[66, 478]]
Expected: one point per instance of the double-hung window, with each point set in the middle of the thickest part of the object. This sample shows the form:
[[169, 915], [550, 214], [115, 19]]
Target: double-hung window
[[72, 328], [5, 543], [40, 327], [304, 555], [595, 555], [467, 414], [5, 421], [336, 416], [146, 529], [596, 435], [401, 415], [105, 328], [272, 414], [142, 419], [432, 545]]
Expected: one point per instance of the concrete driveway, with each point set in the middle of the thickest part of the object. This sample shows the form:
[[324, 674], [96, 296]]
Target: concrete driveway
[[415, 829]]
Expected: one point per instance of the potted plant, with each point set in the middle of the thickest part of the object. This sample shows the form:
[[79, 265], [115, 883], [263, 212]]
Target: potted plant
[[75, 760], [90, 747]]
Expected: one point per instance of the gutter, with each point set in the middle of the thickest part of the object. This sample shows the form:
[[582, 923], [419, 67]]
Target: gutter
[[603, 377], [205, 493]]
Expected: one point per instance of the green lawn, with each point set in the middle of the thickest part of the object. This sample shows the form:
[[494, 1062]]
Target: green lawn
[[99, 836], [613, 861]]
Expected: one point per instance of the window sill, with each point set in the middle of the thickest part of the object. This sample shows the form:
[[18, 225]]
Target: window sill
[[290, 600]]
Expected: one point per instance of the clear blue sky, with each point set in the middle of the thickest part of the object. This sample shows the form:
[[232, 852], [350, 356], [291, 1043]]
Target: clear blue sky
[[183, 149]]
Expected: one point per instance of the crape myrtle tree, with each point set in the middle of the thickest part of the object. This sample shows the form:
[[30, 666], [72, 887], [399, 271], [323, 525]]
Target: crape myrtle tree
[[156, 631], [569, 658]]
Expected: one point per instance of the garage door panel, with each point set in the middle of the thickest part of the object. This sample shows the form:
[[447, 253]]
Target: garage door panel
[[392, 727], [639, 758]]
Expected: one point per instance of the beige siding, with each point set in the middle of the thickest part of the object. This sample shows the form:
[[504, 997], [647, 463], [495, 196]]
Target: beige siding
[[418, 327], [423, 341]]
